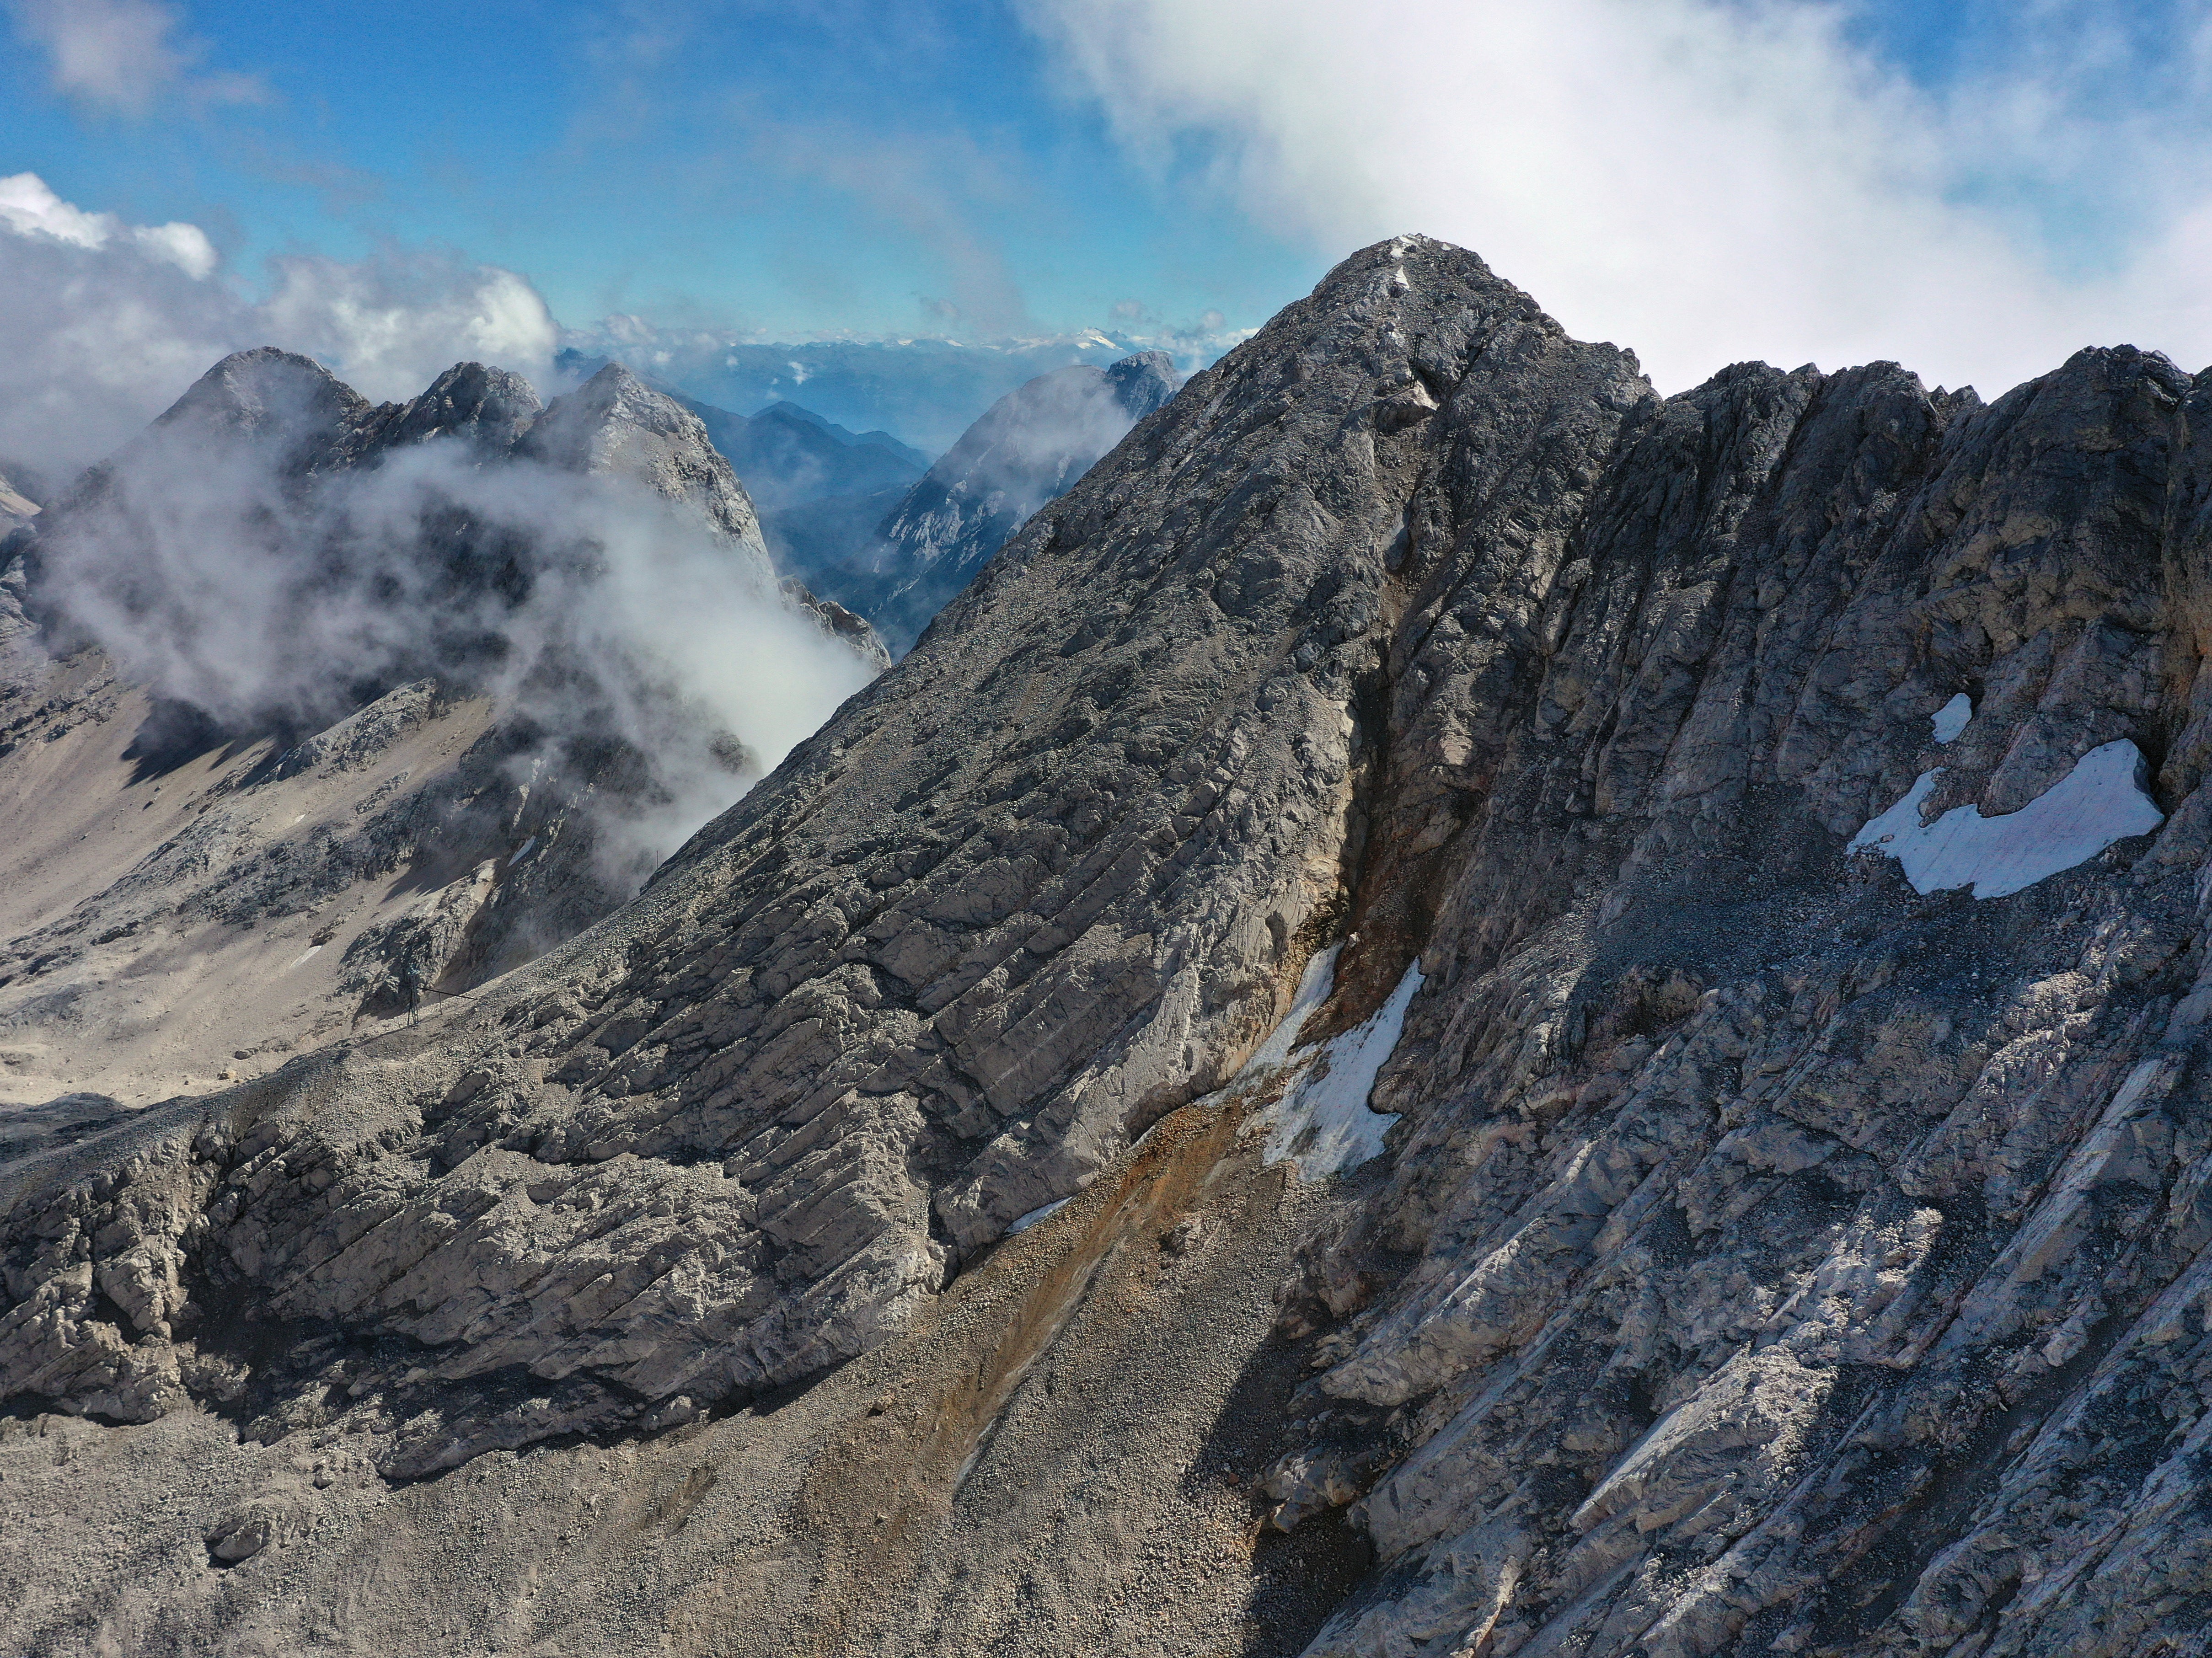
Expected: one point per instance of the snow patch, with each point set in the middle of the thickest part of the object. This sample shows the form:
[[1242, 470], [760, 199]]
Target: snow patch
[[1314, 988], [1036, 1214], [522, 852], [1951, 719], [1322, 1122], [2100, 801]]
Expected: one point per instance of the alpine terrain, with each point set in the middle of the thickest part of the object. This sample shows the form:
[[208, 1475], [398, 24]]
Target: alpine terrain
[[311, 710], [1455, 1009], [1028, 448]]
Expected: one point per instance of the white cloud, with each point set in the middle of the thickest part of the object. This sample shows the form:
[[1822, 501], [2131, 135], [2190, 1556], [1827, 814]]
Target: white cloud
[[389, 324], [106, 323], [122, 55], [29, 208], [1704, 180]]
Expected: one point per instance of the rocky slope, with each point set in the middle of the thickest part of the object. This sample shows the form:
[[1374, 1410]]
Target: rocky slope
[[1330, 1064], [206, 861], [1028, 448]]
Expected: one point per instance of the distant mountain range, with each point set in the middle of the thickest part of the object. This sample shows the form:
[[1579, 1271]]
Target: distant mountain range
[[867, 521], [1030, 448], [925, 392]]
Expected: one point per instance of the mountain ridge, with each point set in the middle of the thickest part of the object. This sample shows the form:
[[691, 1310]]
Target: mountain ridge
[[1762, 1253]]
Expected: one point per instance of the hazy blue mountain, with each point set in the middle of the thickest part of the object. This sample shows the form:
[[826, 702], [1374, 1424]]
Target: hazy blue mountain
[[1028, 449], [788, 456], [924, 392]]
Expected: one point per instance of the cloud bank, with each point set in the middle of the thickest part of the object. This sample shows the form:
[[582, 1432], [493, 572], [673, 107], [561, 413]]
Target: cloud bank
[[234, 568], [106, 323], [1708, 180]]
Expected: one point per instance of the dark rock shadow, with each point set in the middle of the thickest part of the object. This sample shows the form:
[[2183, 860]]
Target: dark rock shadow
[[1302, 1576], [173, 734]]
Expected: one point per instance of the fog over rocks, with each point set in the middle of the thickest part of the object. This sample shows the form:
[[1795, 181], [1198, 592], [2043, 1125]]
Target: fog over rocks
[[1029, 448], [545, 642], [1764, 1255]]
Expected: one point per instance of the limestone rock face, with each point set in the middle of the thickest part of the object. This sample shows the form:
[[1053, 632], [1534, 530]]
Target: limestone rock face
[[615, 423], [1764, 1255]]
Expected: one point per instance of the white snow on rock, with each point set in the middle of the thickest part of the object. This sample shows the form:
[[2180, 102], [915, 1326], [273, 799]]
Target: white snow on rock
[[2100, 801], [1322, 1122], [1036, 1214], [1314, 988], [1951, 719]]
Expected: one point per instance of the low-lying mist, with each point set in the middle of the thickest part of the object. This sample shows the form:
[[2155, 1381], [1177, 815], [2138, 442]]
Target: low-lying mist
[[272, 560]]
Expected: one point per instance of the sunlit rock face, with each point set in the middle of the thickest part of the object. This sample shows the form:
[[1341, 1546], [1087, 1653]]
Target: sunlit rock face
[[1766, 1255]]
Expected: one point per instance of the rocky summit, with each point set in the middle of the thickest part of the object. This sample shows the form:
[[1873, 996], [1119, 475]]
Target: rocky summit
[[310, 710], [1456, 1009]]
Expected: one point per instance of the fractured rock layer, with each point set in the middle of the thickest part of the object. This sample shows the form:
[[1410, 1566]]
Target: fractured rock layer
[[1767, 1256]]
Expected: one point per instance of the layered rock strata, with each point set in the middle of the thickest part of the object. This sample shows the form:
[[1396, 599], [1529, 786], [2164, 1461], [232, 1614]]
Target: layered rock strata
[[1766, 1255]]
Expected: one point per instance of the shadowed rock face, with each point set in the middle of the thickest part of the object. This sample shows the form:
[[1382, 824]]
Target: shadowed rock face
[[1767, 1256]]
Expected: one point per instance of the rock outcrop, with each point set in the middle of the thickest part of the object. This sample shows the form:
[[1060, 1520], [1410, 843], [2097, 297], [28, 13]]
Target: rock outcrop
[[1419, 738], [308, 713], [16, 508]]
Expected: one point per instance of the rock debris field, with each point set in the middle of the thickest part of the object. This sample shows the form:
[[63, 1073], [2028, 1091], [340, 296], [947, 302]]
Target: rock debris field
[[1562, 1092]]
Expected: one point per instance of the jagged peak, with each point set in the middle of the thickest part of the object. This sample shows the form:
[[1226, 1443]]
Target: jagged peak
[[266, 387], [1143, 382], [615, 394], [490, 406]]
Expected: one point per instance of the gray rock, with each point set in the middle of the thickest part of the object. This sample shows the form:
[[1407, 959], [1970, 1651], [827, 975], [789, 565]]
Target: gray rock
[[1765, 1256], [361, 737], [615, 423]]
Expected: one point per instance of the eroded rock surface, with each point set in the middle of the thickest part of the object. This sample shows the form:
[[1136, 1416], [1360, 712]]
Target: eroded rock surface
[[1766, 1257], [397, 752]]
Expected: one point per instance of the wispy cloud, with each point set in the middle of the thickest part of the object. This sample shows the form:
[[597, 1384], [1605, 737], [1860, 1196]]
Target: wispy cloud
[[215, 578], [1706, 180], [106, 322], [933, 191], [123, 57]]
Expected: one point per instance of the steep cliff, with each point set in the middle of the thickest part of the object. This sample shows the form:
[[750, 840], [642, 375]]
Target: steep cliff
[[1332, 1063]]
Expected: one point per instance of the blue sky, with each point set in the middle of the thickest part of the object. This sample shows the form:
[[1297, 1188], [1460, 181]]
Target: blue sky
[[1974, 189], [785, 169], [788, 168]]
